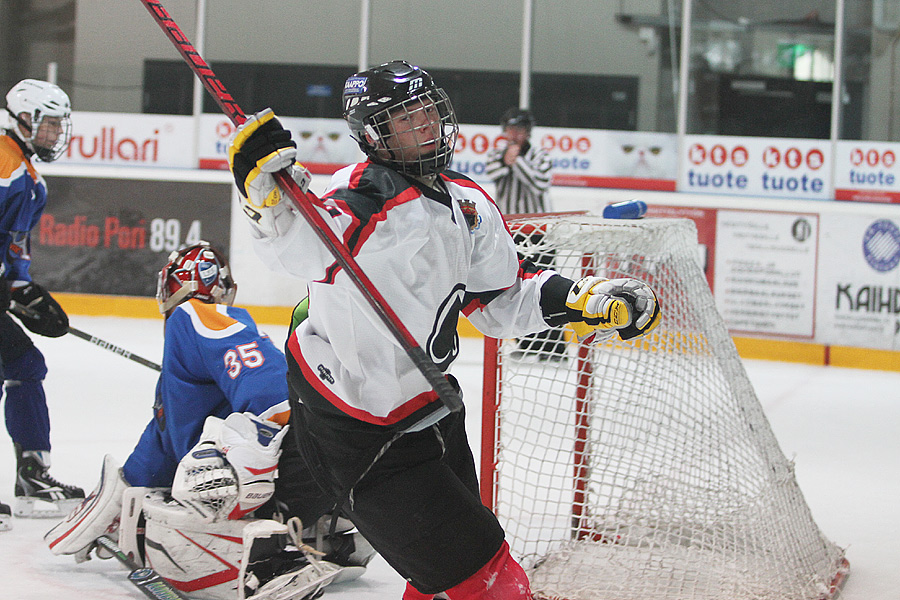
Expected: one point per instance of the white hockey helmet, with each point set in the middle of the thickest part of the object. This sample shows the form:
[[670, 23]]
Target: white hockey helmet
[[49, 123]]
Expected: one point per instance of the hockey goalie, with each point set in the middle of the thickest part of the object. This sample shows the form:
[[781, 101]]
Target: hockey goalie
[[188, 500]]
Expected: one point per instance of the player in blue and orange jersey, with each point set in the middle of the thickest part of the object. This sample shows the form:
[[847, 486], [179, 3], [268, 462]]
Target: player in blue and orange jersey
[[39, 126], [219, 416], [215, 363]]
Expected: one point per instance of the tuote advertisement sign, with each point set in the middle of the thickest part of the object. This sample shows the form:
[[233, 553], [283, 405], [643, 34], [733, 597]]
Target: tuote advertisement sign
[[752, 166], [732, 165], [867, 171]]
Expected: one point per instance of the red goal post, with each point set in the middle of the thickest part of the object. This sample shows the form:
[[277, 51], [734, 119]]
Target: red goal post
[[643, 469]]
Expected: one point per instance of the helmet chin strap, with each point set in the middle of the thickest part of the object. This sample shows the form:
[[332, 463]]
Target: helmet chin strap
[[20, 120], [179, 296], [24, 143]]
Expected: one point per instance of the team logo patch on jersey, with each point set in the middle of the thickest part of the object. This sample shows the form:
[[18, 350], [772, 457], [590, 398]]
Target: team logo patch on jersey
[[473, 219]]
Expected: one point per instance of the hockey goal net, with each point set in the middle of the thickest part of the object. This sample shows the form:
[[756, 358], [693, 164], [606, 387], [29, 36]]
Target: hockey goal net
[[646, 469]]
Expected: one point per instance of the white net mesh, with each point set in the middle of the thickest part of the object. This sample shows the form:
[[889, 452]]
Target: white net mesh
[[647, 469]]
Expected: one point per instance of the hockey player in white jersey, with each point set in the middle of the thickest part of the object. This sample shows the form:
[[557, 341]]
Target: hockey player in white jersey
[[435, 245]]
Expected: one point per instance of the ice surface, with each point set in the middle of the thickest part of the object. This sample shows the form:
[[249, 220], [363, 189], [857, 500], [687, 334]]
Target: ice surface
[[839, 425]]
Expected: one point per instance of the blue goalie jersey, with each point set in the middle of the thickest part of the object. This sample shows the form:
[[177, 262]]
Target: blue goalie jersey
[[215, 362]]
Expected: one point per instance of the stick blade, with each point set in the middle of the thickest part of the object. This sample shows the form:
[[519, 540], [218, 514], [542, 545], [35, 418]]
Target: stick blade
[[153, 585]]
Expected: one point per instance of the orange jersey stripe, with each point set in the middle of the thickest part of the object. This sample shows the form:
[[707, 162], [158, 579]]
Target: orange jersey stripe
[[211, 317]]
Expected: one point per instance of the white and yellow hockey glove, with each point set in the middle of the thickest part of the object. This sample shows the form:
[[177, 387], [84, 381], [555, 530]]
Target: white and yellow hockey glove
[[608, 306], [260, 148], [231, 471]]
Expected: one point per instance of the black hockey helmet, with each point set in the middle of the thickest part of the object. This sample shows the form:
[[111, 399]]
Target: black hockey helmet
[[374, 97], [517, 117]]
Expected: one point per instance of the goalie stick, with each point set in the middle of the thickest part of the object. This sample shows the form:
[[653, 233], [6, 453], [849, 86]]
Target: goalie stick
[[145, 579], [20, 311], [302, 201]]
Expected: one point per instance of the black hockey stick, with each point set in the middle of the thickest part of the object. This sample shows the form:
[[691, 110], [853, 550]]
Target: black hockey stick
[[147, 580], [302, 200], [23, 311]]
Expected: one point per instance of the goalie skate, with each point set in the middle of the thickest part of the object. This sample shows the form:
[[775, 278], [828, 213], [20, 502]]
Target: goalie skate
[[346, 547], [270, 570]]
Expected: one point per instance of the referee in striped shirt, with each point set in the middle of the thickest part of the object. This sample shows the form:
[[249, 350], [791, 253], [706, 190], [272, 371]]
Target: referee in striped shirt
[[521, 173]]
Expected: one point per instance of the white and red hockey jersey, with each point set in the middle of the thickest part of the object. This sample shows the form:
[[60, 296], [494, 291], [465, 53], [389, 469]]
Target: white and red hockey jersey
[[431, 255]]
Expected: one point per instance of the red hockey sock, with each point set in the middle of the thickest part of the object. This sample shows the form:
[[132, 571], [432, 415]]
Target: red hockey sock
[[411, 593], [500, 579]]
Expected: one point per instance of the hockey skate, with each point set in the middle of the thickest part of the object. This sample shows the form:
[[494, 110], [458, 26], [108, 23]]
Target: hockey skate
[[5, 517], [272, 571], [38, 495], [345, 547]]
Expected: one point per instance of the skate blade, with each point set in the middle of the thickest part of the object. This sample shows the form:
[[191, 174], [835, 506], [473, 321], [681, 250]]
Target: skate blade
[[34, 508], [313, 588], [349, 573]]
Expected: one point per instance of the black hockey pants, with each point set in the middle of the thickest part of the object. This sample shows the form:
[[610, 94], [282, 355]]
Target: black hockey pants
[[418, 504]]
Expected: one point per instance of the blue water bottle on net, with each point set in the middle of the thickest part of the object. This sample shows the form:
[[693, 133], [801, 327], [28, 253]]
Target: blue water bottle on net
[[630, 209]]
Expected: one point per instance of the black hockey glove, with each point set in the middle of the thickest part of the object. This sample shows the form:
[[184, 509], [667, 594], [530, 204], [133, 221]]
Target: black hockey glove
[[45, 315]]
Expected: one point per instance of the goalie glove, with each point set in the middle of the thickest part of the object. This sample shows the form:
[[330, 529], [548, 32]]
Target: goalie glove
[[231, 471], [261, 147], [625, 306]]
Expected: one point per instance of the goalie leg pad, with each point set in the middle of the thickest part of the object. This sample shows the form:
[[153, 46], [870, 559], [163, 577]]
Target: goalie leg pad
[[132, 522], [195, 555], [97, 515], [228, 559]]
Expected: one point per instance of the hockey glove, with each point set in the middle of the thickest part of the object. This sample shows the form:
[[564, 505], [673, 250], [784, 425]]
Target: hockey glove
[[261, 147], [231, 471], [627, 306], [44, 314]]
